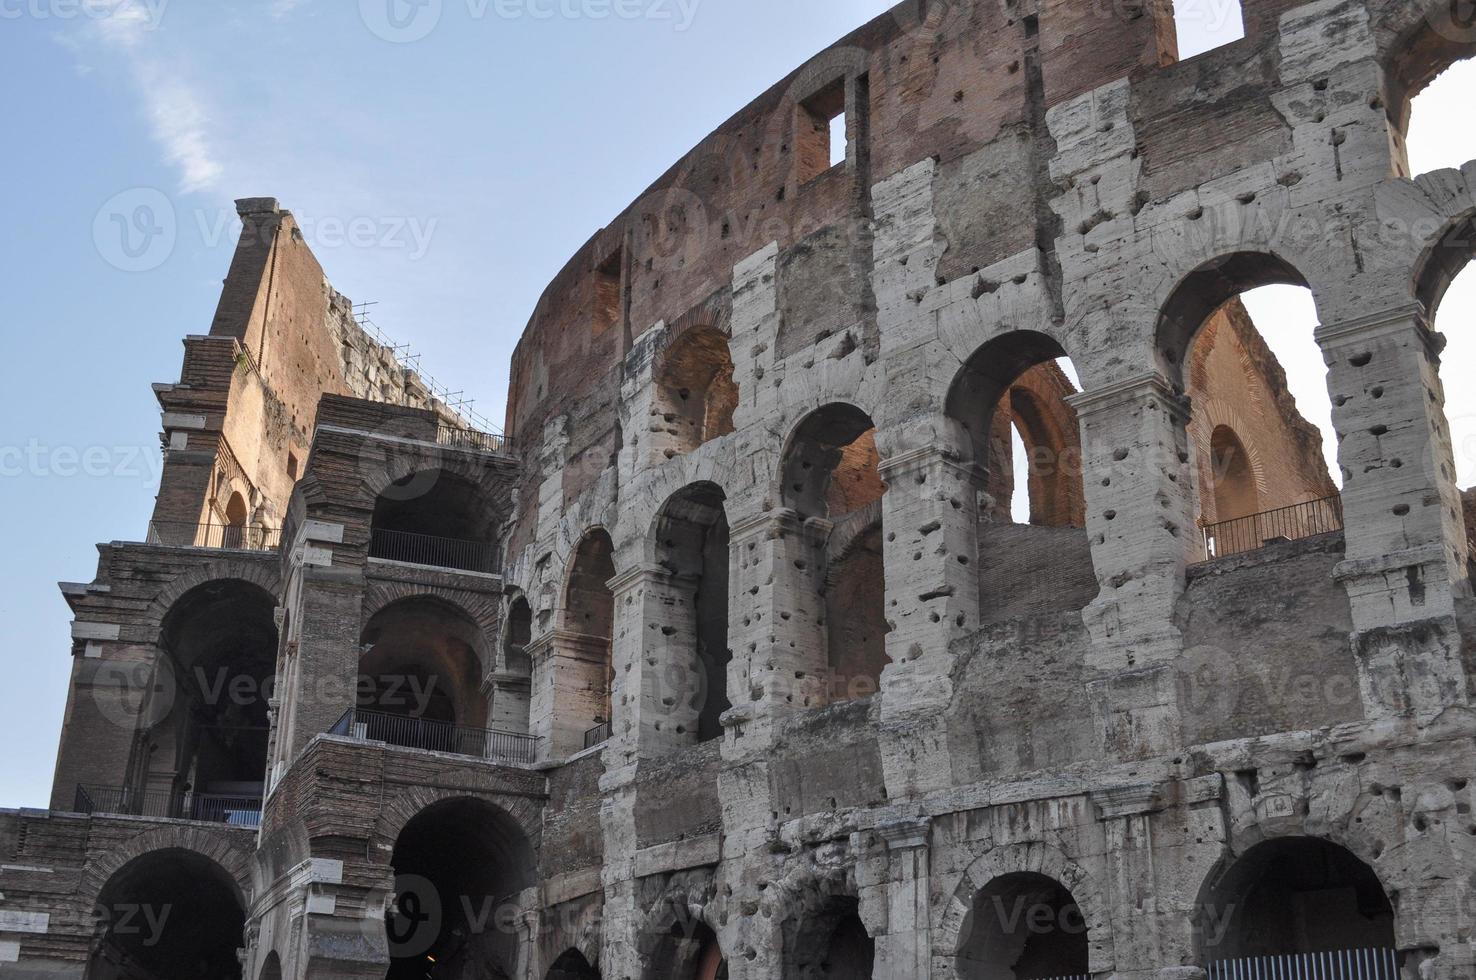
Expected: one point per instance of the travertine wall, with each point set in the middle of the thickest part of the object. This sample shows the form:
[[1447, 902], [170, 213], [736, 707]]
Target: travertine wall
[[1093, 705]]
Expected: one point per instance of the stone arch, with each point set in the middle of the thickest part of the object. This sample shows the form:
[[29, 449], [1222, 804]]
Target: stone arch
[[588, 617], [1236, 475], [674, 926], [573, 964], [1418, 42], [830, 465], [212, 845], [271, 967], [690, 541], [425, 639], [263, 574], [1036, 857], [1447, 255], [1014, 379], [404, 806], [469, 858], [695, 388], [438, 516], [483, 610], [1246, 907], [820, 926], [194, 912], [1196, 295]]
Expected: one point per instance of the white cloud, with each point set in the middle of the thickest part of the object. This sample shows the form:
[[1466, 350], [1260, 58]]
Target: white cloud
[[281, 8], [177, 118]]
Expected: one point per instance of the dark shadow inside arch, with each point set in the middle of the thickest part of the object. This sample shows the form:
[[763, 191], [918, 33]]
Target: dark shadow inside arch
[[513, 689], [572, 965], [1023, 926], [829, 941], [271, 969], [1296, 895], [168, 915], [421, 665], [435, 518], [692, 545], [831, 467], [832, 470], [459, 867], [209, 718], [695, 387], [590, 613]]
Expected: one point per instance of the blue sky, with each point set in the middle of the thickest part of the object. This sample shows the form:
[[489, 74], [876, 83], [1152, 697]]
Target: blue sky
[[446, 178]]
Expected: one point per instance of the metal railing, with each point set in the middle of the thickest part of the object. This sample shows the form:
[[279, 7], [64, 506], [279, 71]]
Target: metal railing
[[425, 549], [224, 537], [1302, 520], [472, 439], [238, 811], [437, 736], [597, 734], [1347, 964]]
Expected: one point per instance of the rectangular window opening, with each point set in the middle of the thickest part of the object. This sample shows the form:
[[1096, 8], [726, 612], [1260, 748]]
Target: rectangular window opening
[[838, 140], [1204, 25], [607, 292], [822, 131]]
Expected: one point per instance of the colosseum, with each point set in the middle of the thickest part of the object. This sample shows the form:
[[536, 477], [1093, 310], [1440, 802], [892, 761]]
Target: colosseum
[[730, 657]]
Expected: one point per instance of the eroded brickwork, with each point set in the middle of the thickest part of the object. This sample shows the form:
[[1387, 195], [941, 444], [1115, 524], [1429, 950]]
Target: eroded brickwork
[[729, 660]]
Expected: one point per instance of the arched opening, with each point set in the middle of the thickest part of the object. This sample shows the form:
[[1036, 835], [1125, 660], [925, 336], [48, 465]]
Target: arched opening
[[236, 516], [459, 868], [1237, 337], [434, 518], [590, 619], [688, 950], [204, 753], [1024, 926], [831, 941], [512, 685], [1437, 138], [271, 968], [832, 471], [696, 393], [420, 674], [692, 547], [1232, 475], [168, 915], [572, 965], [1302, 898], [1429, 84], [1011, 400]]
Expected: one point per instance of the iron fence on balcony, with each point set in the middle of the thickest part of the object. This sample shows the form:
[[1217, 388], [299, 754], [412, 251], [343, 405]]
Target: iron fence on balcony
[[1347, 964], [472, 439], [225, 537], [437, 736], [238, 811], [597, 734], [425, 549], [1242, 534]]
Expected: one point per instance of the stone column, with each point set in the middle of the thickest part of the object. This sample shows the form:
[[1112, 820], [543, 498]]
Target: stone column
[[1406, 536], [569, 671], [930, 521], [1140, 517], [776, 614], [905, 952], [656, 668], [1405, 530]]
